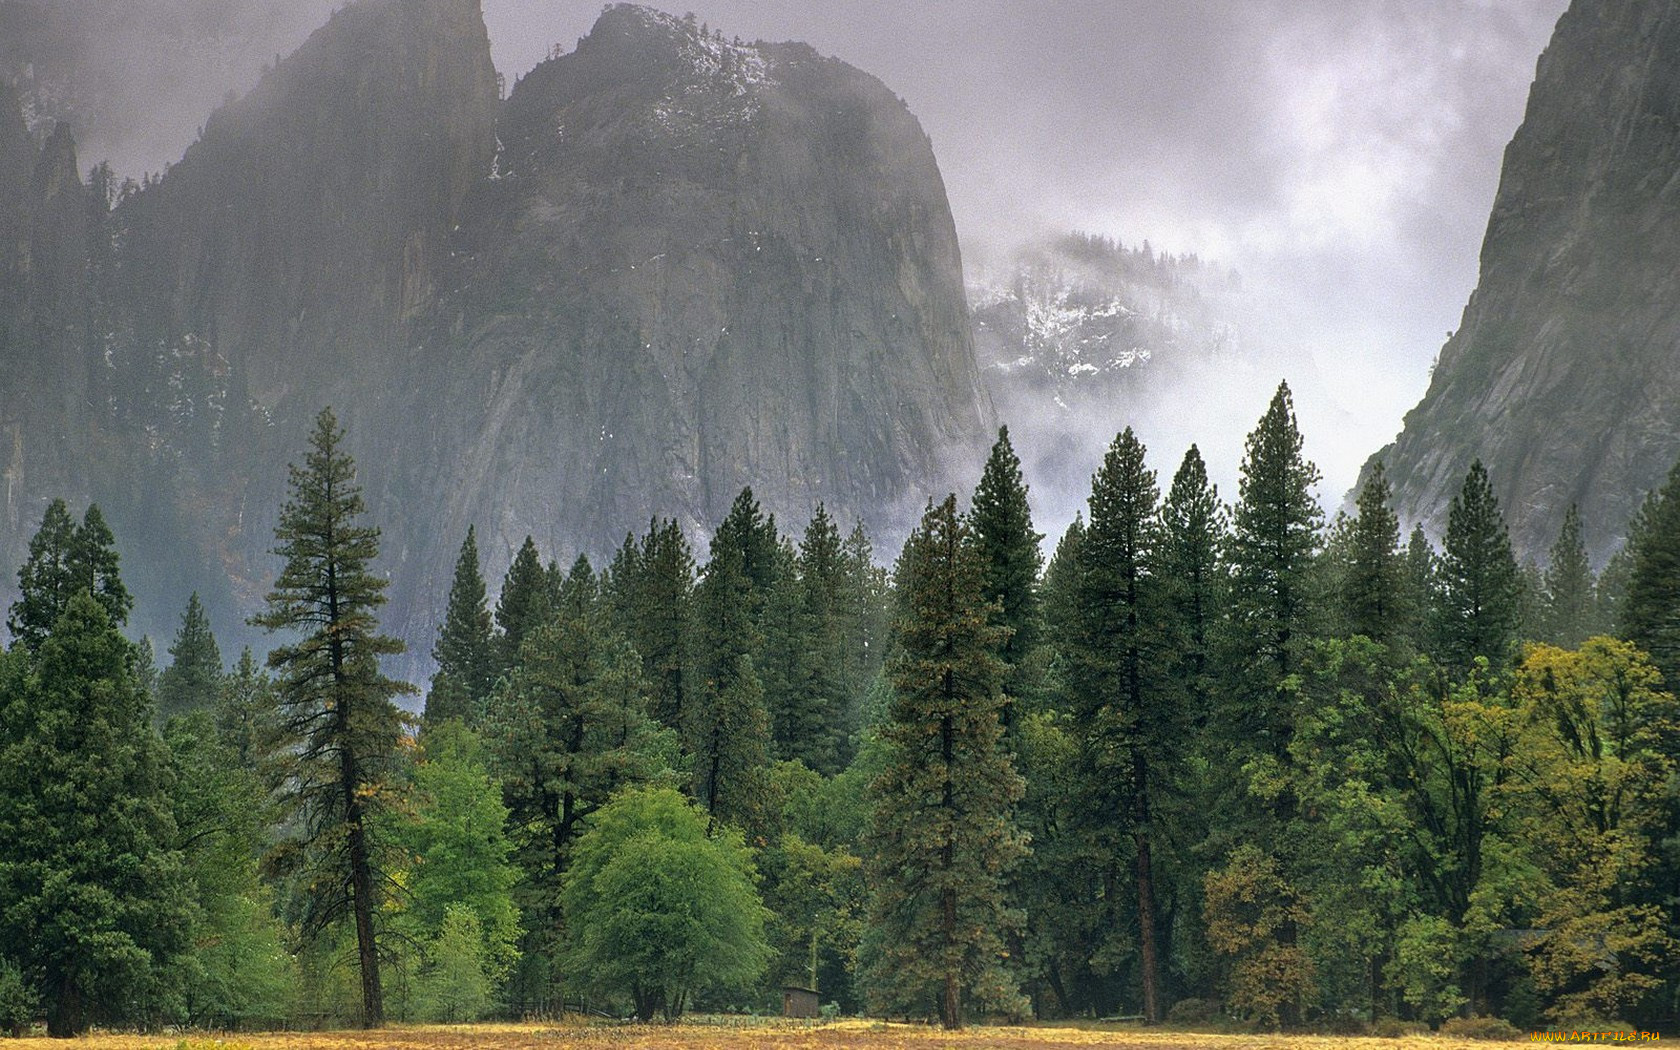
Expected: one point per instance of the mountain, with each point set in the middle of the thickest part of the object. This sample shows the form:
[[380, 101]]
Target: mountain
[[665, 266], [1564, 375]]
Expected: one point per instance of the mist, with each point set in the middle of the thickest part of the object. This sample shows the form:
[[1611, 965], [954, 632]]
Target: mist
[[1340, 155]]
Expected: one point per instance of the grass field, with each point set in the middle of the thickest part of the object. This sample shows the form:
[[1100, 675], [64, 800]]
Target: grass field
[[843, 1035]]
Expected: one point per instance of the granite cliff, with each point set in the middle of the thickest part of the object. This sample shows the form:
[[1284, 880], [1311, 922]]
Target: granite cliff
[[665, 266], [1564, 375]]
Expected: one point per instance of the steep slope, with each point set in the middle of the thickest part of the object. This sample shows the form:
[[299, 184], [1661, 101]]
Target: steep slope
[[667, 266], [1564, 375], [699, 264]]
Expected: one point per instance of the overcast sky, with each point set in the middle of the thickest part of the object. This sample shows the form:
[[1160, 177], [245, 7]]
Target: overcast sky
[[1341, 154]]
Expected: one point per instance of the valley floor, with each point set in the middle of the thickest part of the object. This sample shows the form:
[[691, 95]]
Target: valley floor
[[770, 1035]]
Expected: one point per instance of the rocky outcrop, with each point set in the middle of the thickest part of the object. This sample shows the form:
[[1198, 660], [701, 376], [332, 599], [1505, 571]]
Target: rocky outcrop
[[1564, 375], [669, 265]]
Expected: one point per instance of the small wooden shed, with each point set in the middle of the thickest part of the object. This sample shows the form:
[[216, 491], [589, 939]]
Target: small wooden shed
[[800, 1002]]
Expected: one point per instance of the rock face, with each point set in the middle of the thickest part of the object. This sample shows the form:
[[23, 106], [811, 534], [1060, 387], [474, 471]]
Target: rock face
[[667, 266], [1564, 376]]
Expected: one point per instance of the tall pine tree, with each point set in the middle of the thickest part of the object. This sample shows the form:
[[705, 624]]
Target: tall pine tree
[[1571, 607], [943, 841], [1373, 587], [525, 602], [338, 723], [1008, 546], [465, 650]]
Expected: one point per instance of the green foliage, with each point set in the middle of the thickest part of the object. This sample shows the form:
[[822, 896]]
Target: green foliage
[[193, 680], [66, 559], [659, 910], [1373, 591], [526, 602], [1571, 606], [648, 591], [460, 851], [95, 907], [18, 1001], [465, 650], [943, 840], [337, 725], [455, 985], [1008, 547], [1478, 589], [1249, 905]]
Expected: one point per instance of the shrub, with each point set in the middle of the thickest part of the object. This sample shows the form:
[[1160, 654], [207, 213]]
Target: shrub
[[1480, 1028], [1395, 1028], [1195, 1012]]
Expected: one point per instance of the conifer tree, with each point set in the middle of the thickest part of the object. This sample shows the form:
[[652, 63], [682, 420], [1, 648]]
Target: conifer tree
[[1003, 534], [245, 714], [727, 727], [465, 650], [1418, 580], [337, 721], [1373, 588], [942, 837], [193, 680], [648, 590], [1478, 587], [566, 729], [1060, 590], [1650, 614], [864, 602], [65, 558], [93, 890], [1275, 531], [524, 604], [1127, 709], [1193, 536], [1570, 604]]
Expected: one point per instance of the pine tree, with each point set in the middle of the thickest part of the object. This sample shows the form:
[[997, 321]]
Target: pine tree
[[1418, 581], [245, 714], [649, 589], [566, 729], [1570, 604], [65, 558], [1275, 531], [1008, 546], [1060, 591], [193, 680], [942, 835], [338, 721], [95, 896], [1650, 614], [1373, 589], [727, 727], [1193, 537], [524, 604], [1127, 711], [465, 650], [1478, 587]]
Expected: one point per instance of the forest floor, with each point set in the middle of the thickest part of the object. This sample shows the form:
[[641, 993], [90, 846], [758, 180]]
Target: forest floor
[[762, 1035]]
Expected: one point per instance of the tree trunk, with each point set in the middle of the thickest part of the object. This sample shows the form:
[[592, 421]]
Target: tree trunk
[[1146, 931], [367, 952], [64, 1019]]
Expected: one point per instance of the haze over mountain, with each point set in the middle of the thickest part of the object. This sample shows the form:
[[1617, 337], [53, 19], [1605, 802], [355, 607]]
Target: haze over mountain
[[1562, 376], [669, 265]]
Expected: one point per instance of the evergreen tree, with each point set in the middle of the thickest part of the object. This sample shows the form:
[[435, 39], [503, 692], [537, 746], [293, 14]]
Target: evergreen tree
[[1418, 583], [1003, 534], [566, 729], [727, 729], [524, 604], [1275, 531], [465, 650], [1060, 591], [1650, 614], [1373, 588], [245, 714], [865, 600], [649, 589], [1570, 605], [95, 900], [193, 680], [1193, 536], [1478, 589], [1127, 710], [65, 558], [338, 723], [942, 837]]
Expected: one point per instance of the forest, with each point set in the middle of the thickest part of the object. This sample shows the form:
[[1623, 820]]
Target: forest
[[1209, 763]]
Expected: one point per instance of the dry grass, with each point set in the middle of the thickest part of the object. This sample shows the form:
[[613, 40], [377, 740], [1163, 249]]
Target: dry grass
[[766, 1035]]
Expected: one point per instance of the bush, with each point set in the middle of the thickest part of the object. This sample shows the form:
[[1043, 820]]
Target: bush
[[17, 1000], [1195, 1012], [1394, 1028], [1480, 1028]]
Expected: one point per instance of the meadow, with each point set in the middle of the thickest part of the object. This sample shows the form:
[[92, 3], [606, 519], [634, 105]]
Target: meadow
[[765, 1035]]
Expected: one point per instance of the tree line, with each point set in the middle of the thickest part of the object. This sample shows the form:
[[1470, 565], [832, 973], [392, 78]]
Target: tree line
[[1209, 763]]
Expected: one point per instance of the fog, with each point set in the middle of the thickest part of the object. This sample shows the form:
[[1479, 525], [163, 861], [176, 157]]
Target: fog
[[1341, 155]]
